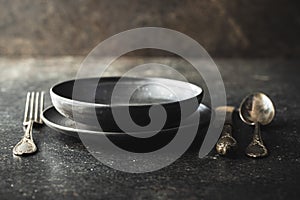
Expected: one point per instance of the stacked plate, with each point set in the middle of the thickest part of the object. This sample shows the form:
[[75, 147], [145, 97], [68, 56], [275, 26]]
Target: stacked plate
[[122, 105]]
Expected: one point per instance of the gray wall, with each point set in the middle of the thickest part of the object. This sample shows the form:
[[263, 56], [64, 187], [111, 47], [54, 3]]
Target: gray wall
[[226, 28]]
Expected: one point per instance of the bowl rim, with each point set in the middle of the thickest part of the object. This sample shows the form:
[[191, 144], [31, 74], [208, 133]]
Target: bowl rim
[[198, 94]]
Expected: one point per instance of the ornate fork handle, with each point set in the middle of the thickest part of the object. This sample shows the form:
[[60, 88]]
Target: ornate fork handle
[[26, 144], [226, 141]]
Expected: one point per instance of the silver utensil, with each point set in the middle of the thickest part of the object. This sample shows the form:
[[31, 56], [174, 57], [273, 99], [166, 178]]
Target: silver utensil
[[226, 142], [33, 109], [257, 109]]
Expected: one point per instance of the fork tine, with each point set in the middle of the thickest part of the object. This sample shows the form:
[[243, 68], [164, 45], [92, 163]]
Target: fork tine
[[36, 109], [41, 106], [26, 109], [31, 106]]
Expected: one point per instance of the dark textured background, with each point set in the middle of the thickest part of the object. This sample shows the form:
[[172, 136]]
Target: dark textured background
[[235, 28]]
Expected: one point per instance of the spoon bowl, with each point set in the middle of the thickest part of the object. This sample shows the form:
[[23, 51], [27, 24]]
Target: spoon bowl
[[257, 107]]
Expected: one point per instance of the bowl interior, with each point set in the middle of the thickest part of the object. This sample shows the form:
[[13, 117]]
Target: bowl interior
[[127, 91]]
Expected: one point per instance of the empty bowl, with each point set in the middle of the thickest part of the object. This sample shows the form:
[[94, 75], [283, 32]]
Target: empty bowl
[[111, 101]]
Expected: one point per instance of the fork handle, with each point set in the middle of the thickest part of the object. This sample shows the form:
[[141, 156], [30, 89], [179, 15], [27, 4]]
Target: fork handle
[[26, 144], [28, 131]]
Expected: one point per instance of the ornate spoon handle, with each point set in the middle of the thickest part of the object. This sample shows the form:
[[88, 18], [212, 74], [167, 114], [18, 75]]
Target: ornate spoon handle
[[257, 148]]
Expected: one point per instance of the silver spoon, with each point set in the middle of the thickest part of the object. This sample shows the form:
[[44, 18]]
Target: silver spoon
[[257, 109]]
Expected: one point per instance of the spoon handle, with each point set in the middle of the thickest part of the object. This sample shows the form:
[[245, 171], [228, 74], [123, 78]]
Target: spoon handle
[[257, 148], [257, 134]]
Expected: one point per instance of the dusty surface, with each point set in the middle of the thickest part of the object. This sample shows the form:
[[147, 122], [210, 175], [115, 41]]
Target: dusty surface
[[63, 168]]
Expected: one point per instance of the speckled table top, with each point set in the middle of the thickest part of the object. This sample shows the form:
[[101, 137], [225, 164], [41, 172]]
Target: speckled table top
[[63, 168]]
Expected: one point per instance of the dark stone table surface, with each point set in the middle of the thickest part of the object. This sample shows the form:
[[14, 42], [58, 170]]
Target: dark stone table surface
[[64, 169]]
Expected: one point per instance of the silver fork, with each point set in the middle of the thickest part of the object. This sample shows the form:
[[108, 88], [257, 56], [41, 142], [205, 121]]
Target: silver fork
[[33, 109]]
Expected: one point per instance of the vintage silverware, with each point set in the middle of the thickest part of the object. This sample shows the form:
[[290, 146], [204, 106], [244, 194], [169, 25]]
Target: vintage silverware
[[257, 109], [226, 142], [33, 109]]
